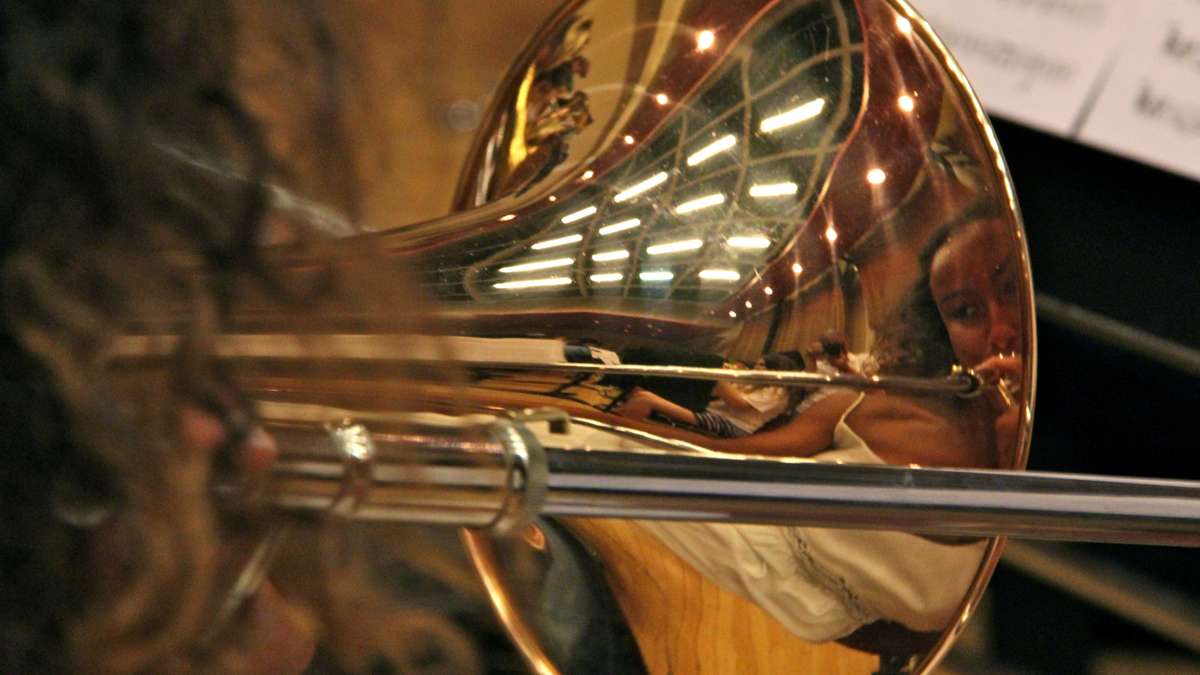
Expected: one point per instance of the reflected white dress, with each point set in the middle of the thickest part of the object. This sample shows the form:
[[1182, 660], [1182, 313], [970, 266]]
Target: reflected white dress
[[823, 584]]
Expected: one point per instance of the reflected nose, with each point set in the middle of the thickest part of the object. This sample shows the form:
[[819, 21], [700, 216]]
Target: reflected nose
[[1003, 329]]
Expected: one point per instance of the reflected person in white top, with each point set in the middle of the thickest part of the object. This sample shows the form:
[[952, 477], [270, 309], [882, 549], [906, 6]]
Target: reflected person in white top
[[736, 410]]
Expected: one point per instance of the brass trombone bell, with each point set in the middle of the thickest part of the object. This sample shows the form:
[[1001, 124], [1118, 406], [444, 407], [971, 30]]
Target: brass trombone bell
[[721, 277]]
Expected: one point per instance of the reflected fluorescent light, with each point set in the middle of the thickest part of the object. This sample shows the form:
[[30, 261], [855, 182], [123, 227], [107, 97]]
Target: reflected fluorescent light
[[561, 241], [796, 115], [797, 268], [876, 176], [906, 103], [587, 175], [831, 234], [507, 217], [704, 202], [534, 283], [674, 247], [619, 227], [660, 275], [773, 189], [904, 25], [720, 145], [578, 215], [719, 275], [705, 39], [605, 256], [553, 198], [538, 265], [749, 305], [749, 241], [732, 314], [768, 290], [638, 188], [629, 139], [662, 99], [606, 277]]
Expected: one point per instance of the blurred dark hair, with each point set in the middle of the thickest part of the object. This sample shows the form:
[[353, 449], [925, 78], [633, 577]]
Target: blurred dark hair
[[89, 91], [779, 361], [833, 344]]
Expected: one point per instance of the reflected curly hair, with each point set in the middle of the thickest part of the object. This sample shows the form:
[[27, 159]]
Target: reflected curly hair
[[87, 203]]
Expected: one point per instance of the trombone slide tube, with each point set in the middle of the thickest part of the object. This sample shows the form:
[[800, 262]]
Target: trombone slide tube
[[502, 478]]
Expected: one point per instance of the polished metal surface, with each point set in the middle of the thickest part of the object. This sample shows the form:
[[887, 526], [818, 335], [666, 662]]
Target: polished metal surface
[[752, 177], [399, 349], [650, 483], [671, 209], [447, 471]]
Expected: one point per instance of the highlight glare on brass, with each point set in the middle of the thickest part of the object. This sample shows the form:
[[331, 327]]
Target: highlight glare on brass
[[773, 189], [720, 275], [537, 265], [720, 145], [578, 215], [619, 226], [787, 118], [700, 203], [667, 248], [556, 242], [605, 256], [638, 188]]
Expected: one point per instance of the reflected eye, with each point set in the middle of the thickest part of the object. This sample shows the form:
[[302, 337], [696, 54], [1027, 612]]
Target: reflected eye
[[964, 312]]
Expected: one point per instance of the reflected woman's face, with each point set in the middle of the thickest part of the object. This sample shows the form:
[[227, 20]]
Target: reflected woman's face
[[975, 282]]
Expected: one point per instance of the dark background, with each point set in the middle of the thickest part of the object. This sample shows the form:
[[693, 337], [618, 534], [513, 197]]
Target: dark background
[[1120, 239]]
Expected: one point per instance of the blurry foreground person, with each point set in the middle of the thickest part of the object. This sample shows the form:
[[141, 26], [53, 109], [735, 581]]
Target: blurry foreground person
[[114, 557]]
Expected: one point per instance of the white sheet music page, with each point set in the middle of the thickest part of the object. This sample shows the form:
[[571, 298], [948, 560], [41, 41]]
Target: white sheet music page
[[1037, 62], [1150, 107]]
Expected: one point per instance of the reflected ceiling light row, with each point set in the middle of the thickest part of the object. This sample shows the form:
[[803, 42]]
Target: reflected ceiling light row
[[665, 248], [619, 226], [749, 241], [533, 283], [831, 234], [674, 247], [796, 115], [638, 188], [656, 275], [876, 176], [707, 201], [651, 275], [611, 277], [761, 190], [606, 256], [720, 145], [559, 241], [720, 275], [579, 215], [705, 39], [906, 103], [537, 265]]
